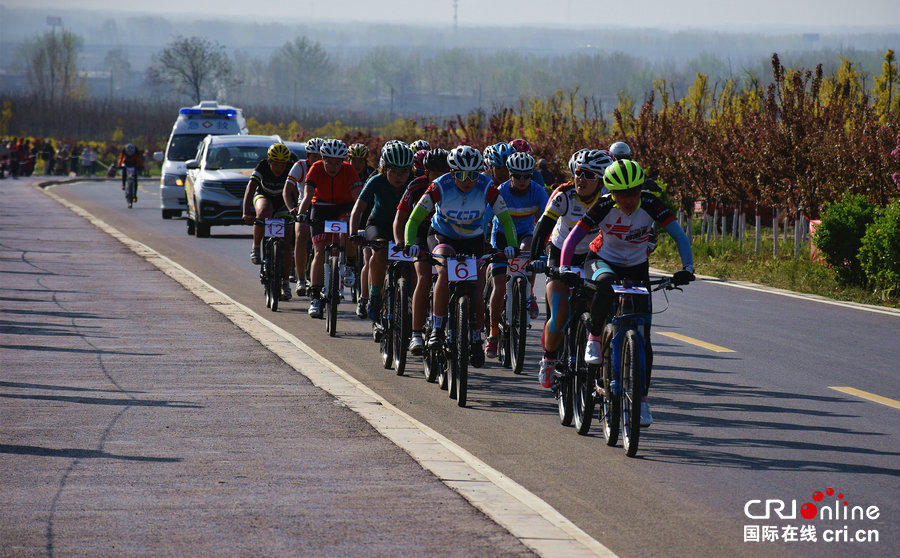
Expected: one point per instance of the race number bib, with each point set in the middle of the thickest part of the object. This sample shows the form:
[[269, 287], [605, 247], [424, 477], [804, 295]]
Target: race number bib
[[516, 266], [622, 289], [396, 253], [462, 269], [275, 227], [336, 227]]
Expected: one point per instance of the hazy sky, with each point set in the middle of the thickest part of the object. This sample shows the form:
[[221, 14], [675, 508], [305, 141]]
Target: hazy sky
[[722, 14]]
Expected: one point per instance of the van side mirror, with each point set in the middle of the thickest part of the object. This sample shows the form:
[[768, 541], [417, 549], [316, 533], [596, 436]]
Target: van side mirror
[[158, 156], [192, 164]]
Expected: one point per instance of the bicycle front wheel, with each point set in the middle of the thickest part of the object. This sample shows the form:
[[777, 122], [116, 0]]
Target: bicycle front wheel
[[518, 324], [631, 392], [461, 373], [334, 295], [385, 322], [402, 325], [276, 269]]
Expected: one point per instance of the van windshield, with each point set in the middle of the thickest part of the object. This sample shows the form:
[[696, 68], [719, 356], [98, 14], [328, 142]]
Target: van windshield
[[183, 147]]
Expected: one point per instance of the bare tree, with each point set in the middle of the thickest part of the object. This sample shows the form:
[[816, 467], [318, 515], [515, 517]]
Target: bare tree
[[51, 65], [193, 65]]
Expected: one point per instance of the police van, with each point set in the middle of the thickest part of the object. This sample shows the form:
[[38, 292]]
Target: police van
[[192, 125]]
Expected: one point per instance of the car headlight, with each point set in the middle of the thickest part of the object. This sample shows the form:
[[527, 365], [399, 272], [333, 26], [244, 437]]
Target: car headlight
[[210, 186], [173, 180]]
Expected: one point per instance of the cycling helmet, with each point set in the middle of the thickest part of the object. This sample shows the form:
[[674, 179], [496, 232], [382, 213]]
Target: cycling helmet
[[397, 155], [279, 153], [620, 150], [623, 175], [436, 160], [520, 145], [130, 149], [419, 145], [594, 160], [314, 145], [500, 152], [419, 159], [520, 163], [573, 158], [334, 148], [465, 158], [358, 151]]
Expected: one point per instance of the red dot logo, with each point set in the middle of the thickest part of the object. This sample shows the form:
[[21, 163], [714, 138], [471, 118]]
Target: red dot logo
[[808, 510], [830, 492], [817, 496]]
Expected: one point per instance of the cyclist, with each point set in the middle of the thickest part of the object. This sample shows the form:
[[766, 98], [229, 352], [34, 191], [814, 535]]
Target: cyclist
[[419, 145], [620, 150], [379, 198], [567, 205], [331, 188], [265, 193], [293, 188], [459, 200], [130, 157], [435, 166], [525, 199], [522, 146], [359, 154], [625, 218], [495, 158], [419, 163]]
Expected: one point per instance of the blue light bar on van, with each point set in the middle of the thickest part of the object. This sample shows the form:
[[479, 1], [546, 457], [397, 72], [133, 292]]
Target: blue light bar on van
[[227, 113]]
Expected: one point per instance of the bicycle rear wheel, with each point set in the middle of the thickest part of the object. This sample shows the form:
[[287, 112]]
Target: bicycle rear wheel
[[402, 324], [463, 342], [518, 324], [610, 403], [564, 385], [334, 295], [265, 271], [631, 392], [276, 268]]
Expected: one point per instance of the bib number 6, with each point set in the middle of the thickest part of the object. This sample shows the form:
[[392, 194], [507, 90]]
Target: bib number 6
[[462, 269]]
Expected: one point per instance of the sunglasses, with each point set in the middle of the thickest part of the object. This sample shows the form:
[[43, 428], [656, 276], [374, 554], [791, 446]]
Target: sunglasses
[[464, 176], [586, 174], [521, 176]]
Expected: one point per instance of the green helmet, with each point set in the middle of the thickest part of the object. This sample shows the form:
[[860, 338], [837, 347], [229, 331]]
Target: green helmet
[[623, 175], [397, 155]]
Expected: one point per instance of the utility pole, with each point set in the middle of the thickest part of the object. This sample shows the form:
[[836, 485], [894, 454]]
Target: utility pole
[[455, 16]]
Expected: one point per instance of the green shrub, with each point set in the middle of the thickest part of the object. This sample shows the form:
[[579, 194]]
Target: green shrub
[[879, 254], [840, 234]]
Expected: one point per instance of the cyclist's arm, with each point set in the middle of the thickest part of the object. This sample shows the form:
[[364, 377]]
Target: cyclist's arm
[[419, 213], [578, 232], [399, 224], [290, 194], [308, 191], [542, 232], [498, 205], [356, 214], [683, 244], [248, 208]]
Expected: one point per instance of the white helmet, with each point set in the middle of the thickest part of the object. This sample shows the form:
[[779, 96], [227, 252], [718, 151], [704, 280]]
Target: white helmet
[[314, 145], [572, 159], [520, 163], [620, 150], [465, 158], [334, 148]]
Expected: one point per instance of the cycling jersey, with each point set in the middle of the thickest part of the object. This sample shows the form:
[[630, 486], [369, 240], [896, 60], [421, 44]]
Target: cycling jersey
[[267, 183], [413, 193], [382, 199], [459, 214], [562, 212], [624, 236], [297, 174], [524, 208], [333, 190]]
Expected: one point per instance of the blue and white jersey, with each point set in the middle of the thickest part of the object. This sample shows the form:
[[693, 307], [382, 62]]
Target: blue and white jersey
[[459, 214], [525, 208]]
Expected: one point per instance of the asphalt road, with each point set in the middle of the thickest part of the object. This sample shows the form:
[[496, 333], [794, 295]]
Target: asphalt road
[[760, 422]]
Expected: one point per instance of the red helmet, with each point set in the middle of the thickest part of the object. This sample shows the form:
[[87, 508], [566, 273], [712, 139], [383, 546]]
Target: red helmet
[[522, 146], [419, 159]]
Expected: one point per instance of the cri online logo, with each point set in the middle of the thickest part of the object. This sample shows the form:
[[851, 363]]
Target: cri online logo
[[839, 510]]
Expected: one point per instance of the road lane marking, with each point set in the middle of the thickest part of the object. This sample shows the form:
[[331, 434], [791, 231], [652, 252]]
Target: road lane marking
[[697, 342], [866, 395], [526, 516]]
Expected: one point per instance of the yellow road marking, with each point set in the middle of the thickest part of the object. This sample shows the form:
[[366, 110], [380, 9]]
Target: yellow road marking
[[866, 395], [696, 342]]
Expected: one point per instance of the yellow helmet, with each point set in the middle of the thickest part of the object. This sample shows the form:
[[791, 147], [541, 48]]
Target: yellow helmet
[[279, 153]]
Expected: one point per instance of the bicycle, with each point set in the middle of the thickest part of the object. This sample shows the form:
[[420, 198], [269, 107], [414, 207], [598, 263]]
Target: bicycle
[[453, 361], [393, 329], [130, 185], [271, 269], [337, 273], [619, 386], [514, 319]]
